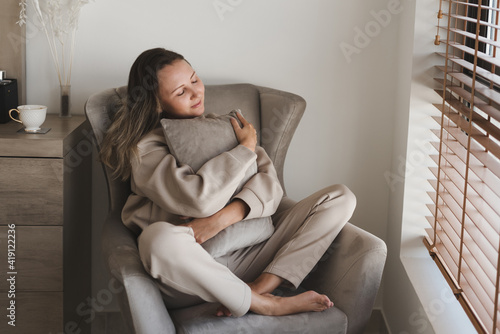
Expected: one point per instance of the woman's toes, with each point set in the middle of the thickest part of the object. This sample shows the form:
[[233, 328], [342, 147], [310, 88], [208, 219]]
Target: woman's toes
[[223, 311]]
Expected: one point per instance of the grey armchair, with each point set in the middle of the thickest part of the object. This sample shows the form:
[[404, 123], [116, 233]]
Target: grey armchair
[[349, 273]]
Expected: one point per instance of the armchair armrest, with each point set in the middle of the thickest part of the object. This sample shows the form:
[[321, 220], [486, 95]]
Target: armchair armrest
[[350, 273], [140, 300]]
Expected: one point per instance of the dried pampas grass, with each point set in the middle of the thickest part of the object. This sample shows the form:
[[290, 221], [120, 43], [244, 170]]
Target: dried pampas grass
[[59, 21]]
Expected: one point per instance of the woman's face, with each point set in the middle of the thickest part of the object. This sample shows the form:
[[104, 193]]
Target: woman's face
[[181, 92]]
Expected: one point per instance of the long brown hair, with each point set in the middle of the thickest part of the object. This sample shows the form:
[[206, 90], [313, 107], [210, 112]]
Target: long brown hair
[[139, 114]]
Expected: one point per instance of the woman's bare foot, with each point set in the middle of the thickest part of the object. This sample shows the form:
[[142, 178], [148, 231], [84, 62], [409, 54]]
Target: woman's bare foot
[[223, 311], [268, 304], [263, 302], [265, 283], [308, 301]]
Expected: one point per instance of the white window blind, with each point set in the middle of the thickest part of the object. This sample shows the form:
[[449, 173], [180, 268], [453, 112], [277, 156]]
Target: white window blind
[[464, 233]]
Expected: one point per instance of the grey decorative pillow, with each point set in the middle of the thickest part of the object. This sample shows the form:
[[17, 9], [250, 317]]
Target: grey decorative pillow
[[193, 142]]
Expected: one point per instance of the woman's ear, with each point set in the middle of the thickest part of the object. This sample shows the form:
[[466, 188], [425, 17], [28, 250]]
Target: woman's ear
[[159, 108]]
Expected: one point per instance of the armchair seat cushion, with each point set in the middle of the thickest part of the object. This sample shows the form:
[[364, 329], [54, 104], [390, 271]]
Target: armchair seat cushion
[[201, 319]]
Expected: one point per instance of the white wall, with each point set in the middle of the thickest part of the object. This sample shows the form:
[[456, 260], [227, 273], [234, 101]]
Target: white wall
[[401, 305], [312, 48]]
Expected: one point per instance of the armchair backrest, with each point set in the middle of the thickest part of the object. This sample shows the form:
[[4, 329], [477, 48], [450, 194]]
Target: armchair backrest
[[275, 114]]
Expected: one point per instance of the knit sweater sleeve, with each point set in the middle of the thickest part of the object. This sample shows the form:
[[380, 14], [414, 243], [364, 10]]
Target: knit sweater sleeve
[[177, 188], [263, 192]]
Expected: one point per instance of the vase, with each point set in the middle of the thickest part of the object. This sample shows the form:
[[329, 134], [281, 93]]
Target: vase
[[65, 101]]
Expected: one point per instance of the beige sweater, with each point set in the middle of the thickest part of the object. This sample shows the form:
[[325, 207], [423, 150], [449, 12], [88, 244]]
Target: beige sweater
[[164, 191]]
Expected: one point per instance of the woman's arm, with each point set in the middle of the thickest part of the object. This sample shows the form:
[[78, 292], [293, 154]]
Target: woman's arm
[[246, 133], [259, 197], [206, 228], [177, 189], [263, 192], [181, 191]]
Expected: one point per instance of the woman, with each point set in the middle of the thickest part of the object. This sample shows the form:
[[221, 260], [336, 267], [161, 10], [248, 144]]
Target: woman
[[163, 84]]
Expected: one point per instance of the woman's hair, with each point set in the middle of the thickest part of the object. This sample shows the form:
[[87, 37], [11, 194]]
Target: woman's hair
[[139, 114]]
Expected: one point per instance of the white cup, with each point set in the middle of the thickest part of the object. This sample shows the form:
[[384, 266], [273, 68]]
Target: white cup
[[31, 116]]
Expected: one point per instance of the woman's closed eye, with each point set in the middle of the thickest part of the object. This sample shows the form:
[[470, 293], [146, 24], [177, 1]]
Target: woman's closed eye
[[182, 91]]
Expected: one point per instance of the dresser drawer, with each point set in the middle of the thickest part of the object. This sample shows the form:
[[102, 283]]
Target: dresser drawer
[[31, 191], [45, 199], [37, 259], [33, 312]]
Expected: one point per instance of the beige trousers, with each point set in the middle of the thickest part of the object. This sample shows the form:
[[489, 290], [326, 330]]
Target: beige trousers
[[188, 275]]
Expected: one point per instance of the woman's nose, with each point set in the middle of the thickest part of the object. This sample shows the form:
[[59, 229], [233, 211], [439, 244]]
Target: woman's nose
[[196, 93]]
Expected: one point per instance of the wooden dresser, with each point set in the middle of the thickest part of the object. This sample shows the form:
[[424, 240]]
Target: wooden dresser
[[45, 227]]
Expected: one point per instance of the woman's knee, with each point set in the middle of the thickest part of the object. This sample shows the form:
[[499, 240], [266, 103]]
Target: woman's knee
[[348, 197], [162, 242], [340, 198], [153, 235]]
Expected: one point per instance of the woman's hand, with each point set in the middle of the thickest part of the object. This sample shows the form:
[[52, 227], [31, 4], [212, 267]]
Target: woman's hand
[[246, 135], [206, 228]]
